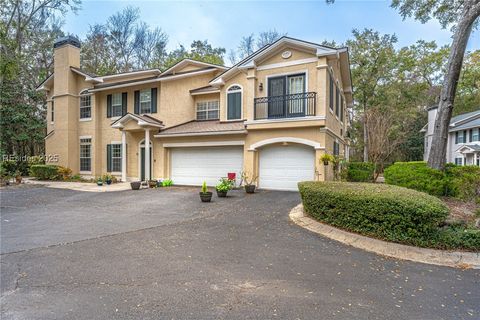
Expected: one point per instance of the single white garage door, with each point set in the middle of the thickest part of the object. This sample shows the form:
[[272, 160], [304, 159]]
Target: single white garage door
[[192, 166], [282, 167]]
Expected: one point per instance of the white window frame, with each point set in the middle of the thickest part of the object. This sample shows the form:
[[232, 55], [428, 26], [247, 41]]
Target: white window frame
[[230, 91], [116, 105], [87, 141], [146, 102], [116, 144], [210, 106], [461, 161], [475, 132], [83, 106]]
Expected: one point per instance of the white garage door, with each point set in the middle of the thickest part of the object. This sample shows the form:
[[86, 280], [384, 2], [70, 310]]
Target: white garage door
[[282, 167], [192, 166]]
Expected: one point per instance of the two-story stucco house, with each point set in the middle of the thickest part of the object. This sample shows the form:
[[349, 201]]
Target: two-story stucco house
[[463, 146], [272, 115]]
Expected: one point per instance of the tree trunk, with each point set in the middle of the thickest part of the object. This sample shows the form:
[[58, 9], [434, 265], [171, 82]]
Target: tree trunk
[[438, 152], [365, 138]]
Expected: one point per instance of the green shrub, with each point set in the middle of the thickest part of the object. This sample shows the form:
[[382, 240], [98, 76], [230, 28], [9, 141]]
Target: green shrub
[[167, 183], [44, 171], [382, 211], [464, 182], [359, 172], [418, 176], [9, 167]]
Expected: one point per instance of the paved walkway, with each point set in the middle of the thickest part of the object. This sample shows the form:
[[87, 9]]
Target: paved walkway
[[81, 186], [234, 258]]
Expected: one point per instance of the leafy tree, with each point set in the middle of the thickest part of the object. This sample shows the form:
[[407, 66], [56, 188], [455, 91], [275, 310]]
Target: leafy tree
[[462, 16], [199, 50], [27, 32], [468, 91]]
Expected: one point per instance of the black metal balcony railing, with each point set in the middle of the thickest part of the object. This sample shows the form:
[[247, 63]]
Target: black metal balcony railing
[[286, 106]]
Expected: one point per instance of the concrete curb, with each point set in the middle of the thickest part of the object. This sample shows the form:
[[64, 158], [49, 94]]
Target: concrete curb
[[456, 259]]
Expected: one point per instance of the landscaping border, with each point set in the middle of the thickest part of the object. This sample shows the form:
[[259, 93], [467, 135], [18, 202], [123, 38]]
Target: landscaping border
[[456, 259]]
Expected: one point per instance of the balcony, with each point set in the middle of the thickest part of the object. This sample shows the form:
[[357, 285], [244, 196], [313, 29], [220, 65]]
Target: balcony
[[286, 106]]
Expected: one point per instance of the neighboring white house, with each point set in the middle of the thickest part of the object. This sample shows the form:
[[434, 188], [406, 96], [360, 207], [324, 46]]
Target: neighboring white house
[[463, 146]]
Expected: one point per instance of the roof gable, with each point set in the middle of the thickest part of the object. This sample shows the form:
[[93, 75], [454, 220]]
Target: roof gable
[[188, 65]]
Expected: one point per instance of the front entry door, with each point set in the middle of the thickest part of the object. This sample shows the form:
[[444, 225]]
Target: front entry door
[[142, 163]]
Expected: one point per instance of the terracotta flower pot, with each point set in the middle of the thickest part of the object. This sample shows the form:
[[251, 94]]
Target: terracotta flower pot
[[18, 179], [135, 185], [206, 197]]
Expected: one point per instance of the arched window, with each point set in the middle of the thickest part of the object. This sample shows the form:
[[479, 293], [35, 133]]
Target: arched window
[[85, 105], [234, 102]]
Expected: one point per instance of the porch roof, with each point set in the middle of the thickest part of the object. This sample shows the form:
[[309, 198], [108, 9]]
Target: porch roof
[[142, 121], [208, 127], [469, 148]]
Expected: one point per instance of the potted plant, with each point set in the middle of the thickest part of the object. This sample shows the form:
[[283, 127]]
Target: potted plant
[[326, 158], [152, 183], [223, 187], [107, 178], [18, 177], [249, 182], [205, 195], [99, 182], [135, 185]]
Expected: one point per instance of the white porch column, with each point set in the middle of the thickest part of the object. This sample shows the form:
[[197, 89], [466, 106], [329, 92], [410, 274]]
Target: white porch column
[[124, 156], [147, 154]]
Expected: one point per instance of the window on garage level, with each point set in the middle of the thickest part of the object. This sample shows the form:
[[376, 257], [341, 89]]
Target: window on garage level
[[208, 110], [85, 154]]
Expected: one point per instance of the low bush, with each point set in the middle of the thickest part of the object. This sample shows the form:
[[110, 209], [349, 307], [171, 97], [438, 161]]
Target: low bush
[[359, 172], [64, 173], [44, 171], [464, 182], [418, 176]]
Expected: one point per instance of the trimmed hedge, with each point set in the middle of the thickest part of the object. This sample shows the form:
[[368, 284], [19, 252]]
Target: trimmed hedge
[[44, 171], [418, 176], [462, 182], [359, 172], [386, 212]]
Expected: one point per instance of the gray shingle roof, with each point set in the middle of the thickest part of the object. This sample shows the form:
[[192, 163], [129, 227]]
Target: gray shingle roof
[[464, 116]]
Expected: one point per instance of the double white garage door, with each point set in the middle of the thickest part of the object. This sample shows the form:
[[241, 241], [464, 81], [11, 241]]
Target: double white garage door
[[280, 167]]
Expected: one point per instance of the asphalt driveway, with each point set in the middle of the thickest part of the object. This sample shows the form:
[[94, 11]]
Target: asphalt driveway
[[161, 254]]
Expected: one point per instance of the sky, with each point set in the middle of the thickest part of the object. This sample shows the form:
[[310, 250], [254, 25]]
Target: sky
[[224, 23]]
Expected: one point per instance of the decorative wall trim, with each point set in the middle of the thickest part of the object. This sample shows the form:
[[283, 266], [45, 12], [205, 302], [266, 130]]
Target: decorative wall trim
[[204, 144], [286, 64], [265, 142], [285, 120]]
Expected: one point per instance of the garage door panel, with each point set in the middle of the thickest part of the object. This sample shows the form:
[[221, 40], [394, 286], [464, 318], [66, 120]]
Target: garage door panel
[[282, 167], [192, 166]]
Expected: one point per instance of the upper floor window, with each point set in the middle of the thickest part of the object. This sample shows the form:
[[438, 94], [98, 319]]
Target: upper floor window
[[341, 108], [337, 102], [234, 102], [85, 106], [145, 101], [116, 104], [460, 137], [52, 112], [331, 93], [475, 134], [207, 110]]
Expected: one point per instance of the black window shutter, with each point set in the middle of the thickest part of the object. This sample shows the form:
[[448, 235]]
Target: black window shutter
[[456, 137], [109, 158], [109, 106], [331, 92], [464, 136], [471, 135], [341, 108], [230, 105], [124, 103], [136, 103], [53, 111], [238, 105], [154, 100], [337, 102]]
